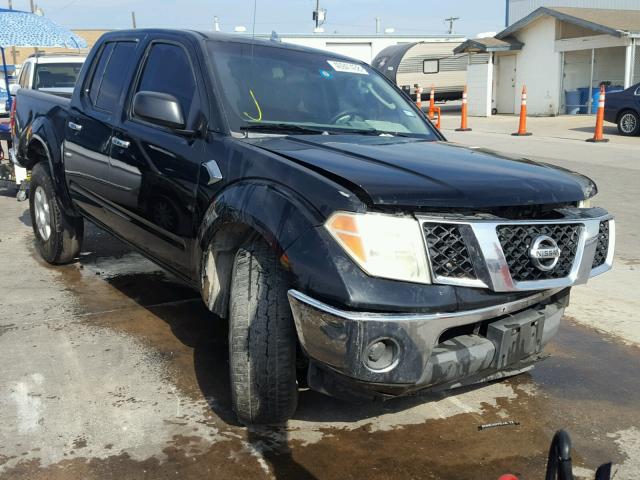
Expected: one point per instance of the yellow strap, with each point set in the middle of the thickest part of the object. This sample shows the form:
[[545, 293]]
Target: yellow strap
[[259, 119]]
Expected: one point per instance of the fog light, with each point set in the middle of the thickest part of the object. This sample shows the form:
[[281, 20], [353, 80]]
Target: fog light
[[381, 355]]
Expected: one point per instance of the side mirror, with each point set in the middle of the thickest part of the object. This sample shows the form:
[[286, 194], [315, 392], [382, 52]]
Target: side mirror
[[13, 88], [159, 108]]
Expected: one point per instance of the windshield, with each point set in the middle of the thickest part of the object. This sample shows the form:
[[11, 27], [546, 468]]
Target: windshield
[[273, 88], [56, 75]]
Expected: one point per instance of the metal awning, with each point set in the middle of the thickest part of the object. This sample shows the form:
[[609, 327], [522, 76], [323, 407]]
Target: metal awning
[[488, 45]]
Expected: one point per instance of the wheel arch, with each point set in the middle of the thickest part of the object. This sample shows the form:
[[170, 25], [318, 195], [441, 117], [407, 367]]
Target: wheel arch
[[243, 211], [624, 110], [42, 144]]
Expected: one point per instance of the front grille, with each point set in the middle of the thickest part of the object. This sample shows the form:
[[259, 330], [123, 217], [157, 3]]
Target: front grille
[[516, 241], [448, 251], [602, 247]]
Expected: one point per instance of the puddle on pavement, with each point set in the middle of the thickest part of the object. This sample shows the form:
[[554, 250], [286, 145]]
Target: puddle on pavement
[[588, 387]]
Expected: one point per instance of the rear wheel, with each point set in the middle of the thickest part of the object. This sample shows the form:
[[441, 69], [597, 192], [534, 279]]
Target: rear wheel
[[262, 339], [629, 123], [58, 235]]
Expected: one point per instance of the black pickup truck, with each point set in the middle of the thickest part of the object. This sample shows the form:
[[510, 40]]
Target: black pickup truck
[[347, 244]]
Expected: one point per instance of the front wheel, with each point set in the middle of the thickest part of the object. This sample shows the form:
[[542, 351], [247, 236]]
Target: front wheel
[[262, 338], [629, 123], [58, 235]]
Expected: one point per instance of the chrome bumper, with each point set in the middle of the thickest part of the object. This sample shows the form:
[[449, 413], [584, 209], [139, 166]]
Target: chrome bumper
[[339, 340]]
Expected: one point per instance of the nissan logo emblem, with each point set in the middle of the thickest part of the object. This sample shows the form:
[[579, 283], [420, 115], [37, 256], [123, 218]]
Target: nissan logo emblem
[[544, 253]]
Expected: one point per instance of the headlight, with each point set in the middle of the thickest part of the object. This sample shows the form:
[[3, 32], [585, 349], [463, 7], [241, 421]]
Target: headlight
[[382, 245]]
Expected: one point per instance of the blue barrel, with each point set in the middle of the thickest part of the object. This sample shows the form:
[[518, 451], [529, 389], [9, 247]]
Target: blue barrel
[[584, 98], [596, 98], [572, 101]]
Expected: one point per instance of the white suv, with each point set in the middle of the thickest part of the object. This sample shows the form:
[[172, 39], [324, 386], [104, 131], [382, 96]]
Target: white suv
[[50, 73]]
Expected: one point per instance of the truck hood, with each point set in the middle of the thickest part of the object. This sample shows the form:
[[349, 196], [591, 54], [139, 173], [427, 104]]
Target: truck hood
[[396, 171]]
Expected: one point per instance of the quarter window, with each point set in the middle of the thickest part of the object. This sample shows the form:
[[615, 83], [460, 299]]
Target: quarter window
[[24, 76], [168, 70]]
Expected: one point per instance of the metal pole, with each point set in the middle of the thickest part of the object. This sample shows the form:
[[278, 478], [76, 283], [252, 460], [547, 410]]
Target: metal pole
[[133, 19], [33, 7], [590, 100], [13, 49], [562, 101], [317, 13], [6, 78], [377, 25], [506, 15]]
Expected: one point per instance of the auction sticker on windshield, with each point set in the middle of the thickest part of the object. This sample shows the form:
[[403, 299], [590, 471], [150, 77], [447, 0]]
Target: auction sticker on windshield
[[347, 67]]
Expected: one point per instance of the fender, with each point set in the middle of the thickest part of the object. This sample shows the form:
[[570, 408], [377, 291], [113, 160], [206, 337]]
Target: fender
[[43, 132], [245, 208]]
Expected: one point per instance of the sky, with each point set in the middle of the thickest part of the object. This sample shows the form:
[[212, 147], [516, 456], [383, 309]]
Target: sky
[[411, 17]]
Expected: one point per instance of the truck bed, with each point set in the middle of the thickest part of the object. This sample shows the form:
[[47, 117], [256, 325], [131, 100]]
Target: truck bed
[[33, 104]]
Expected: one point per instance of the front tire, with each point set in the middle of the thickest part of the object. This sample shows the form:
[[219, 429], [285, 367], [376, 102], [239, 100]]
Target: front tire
[[262, 338], [629, 123], [58, 235]]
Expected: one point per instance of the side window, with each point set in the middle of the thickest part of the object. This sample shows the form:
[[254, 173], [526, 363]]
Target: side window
[[109, 74], [430, 66], [168, 70]]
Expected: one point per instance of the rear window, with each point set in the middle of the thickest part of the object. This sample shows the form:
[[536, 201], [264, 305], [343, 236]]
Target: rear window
[[56, 75], [109, 74]]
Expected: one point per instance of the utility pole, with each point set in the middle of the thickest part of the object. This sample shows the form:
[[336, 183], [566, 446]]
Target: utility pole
[[451, 20], [33, 7], [319, 16], [133, 19], [216, 24], [378, 23], [14, 54]]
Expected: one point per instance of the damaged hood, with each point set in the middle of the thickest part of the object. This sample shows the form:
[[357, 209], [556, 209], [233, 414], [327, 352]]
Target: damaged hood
[[395, 171]]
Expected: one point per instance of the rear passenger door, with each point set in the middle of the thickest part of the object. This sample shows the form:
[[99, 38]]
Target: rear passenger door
[[154, 169], [90, 127]]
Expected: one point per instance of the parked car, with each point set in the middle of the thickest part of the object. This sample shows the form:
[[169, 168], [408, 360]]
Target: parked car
[[316, 209], [49, 73], [623, 109]]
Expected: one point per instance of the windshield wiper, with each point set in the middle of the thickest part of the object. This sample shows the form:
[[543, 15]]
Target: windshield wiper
[[299, 129], [373, 131], [281, 128]]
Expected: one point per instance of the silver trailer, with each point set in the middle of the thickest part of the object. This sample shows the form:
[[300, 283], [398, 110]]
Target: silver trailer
[[427, 64]]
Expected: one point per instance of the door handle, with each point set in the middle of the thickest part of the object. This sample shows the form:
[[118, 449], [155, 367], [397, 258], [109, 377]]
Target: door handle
[[74, 126], [119, 143]]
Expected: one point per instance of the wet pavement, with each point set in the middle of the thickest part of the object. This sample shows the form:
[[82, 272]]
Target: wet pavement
[[113, 369]]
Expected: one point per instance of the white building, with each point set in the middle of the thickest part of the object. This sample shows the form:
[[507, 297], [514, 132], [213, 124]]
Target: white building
[[361, 47], [517, 9], [554, 51]]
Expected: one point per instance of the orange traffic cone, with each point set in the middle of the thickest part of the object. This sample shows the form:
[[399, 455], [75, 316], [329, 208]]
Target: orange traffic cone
[[419, 96], [437, 116], [463, 120], [598, 135], [522, 130], [432, 102]]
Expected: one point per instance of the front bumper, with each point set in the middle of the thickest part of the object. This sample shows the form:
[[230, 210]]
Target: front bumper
[[432, 349]]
